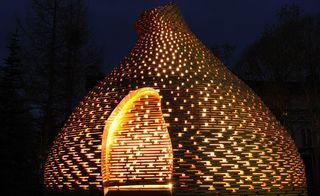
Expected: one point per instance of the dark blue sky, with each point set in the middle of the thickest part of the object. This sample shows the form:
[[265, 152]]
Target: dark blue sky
[[213, 21]]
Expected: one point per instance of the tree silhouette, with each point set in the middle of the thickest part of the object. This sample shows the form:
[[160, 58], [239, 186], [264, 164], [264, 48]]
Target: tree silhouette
[[286, 51], [51, 65], [19, 137], [60, 58]]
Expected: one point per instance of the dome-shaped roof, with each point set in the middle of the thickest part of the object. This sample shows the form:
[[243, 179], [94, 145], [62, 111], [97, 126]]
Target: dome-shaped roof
[[224, 139]]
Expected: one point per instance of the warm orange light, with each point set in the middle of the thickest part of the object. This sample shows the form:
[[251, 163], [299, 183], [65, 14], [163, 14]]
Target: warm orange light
[[224, 138], [136, 146]]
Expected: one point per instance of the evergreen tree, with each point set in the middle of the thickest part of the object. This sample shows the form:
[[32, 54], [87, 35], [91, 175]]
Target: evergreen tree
[[18, 134], [60, 57]]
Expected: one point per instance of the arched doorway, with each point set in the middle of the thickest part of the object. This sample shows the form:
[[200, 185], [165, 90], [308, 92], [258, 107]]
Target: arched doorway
[[136, 146]]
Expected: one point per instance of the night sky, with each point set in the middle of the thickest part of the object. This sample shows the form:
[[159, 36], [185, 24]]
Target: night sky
[[213, 21]]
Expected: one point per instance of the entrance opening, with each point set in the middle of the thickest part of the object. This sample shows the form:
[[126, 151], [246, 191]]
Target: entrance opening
[[136, 146]]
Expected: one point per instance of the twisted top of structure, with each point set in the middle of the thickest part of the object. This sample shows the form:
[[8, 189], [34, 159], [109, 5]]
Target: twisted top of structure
[[160, 18]]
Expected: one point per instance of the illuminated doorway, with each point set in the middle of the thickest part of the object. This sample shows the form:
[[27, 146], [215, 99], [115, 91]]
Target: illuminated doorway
[[136, 146]]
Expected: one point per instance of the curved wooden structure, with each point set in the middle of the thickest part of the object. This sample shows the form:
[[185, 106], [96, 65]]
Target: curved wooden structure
[[224, 139]]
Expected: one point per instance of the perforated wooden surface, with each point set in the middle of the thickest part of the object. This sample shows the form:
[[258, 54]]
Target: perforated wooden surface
[[224, 139]]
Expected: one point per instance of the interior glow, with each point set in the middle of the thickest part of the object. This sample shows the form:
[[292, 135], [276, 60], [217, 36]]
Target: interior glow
[[136, 146]]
